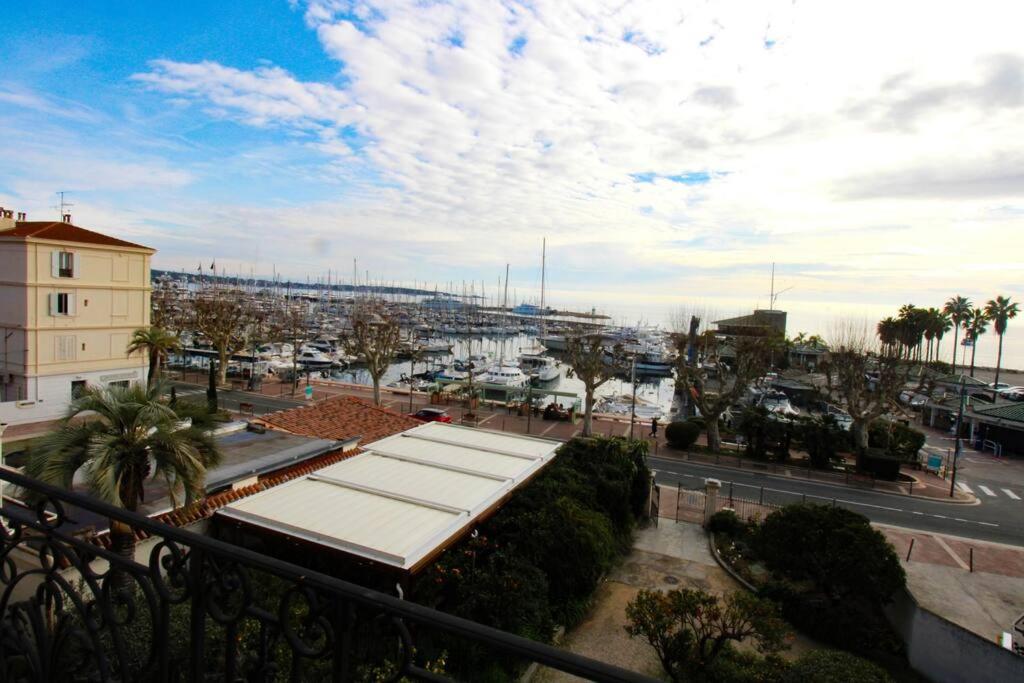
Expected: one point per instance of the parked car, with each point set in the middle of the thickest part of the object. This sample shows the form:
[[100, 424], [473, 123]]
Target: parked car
[[999, 386], [432, 415], [913, 399]]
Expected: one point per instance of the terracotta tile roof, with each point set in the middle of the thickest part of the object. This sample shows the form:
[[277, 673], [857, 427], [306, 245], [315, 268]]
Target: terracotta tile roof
[[205, 508], [64, 232], [340, 417]]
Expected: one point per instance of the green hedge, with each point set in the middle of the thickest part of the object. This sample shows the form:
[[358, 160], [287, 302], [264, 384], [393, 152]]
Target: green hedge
[[682, 435], [538, 560]]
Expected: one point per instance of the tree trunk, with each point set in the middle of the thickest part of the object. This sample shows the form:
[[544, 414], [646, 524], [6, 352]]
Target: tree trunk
[[154, 362], [588, 413], [376, 391], [859, 437], [956, 333], [974, 350], [999, 362], [122, 544], [714, 436], [222, 370]]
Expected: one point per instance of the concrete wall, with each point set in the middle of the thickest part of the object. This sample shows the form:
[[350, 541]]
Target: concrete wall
[[47, 397], [946, 653]]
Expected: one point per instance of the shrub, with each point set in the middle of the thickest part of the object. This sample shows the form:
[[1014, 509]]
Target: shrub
[[766, 434], [682, 435], [538, 560], [834, 666], [899, 440], [726, 522], [822, 438], [836, 573], [690, 629]]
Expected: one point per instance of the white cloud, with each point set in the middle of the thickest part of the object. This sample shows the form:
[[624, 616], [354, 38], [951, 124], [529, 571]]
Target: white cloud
[[886, 130]]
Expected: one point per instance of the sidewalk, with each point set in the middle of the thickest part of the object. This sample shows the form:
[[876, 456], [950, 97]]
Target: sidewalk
[[975, 584]]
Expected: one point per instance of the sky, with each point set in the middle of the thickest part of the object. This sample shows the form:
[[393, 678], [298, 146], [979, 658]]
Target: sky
[[669, 152]]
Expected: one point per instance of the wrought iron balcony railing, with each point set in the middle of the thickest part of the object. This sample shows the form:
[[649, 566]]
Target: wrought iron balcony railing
[[200, 609]]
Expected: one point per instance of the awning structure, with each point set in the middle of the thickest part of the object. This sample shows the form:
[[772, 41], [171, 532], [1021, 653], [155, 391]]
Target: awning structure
[[405, 498]]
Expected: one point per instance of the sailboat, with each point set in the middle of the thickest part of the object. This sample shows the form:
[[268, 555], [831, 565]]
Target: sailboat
[[539, 367]]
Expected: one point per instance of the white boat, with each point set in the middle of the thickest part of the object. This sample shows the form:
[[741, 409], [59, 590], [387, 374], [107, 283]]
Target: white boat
[[553, 342], [540, 368], [506, 374], [453, 373], [312, 358], [778, 403]]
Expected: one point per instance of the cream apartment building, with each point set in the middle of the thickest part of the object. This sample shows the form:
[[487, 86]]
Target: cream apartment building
[[70, 299]]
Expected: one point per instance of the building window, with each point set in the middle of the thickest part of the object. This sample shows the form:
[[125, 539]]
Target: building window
[[63, 304], [77, 389], [65, 347], [66, 264], [121, 384]]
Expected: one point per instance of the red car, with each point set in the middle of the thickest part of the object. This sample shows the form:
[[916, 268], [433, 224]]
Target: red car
[[432, 415]]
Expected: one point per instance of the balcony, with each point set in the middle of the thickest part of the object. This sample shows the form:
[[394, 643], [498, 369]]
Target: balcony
[[190, 607]]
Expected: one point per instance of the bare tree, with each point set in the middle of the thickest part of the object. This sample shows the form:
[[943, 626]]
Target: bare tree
[[866, 381], [713, 389], [225, 317], [375, 337], [593, 365], [290, 327], [168, 307]]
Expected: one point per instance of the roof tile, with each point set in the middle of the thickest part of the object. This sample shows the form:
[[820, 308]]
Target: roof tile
[[64, 232]]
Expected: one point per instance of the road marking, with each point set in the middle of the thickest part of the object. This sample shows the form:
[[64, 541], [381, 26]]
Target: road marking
[[944, 546], [965, 488], [987, 491], [1011, 494], [987, 523], [915, 512], [552, 426]]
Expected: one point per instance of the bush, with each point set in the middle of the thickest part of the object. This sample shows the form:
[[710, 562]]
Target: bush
[[766, 434], [537, 561], [899, 440], [682, 435], [726, 522], [834, 666], [822, 438], [835, 573]]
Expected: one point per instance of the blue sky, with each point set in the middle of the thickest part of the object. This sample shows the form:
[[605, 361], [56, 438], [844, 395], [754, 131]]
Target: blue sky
[[668, 151]]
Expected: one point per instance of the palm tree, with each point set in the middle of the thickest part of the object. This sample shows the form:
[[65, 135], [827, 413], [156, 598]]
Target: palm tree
[[157, 343], [975, 326], [888, 334], [129, 437], [999, 311], [957, 308], [943, 324], [930, 325]]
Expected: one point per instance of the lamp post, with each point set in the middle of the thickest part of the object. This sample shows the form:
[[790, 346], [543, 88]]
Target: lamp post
[[956, 451]]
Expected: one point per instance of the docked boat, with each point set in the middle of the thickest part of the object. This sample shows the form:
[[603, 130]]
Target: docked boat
[[539, 368], [506, 374], [553, 342], [309, 357]]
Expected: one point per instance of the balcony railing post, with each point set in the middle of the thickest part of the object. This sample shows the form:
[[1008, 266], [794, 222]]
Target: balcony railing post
[[197, 616]]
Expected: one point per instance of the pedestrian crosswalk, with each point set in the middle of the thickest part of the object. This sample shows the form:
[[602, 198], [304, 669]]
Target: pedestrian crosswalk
[[985, 492]]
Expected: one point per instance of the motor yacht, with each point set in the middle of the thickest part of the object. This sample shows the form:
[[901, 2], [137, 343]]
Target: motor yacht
[[539, 368]]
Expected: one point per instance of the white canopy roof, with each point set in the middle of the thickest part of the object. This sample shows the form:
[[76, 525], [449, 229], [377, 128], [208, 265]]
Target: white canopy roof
[[405, 497]]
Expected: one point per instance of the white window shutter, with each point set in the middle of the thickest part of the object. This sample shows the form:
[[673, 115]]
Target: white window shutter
[[53, 304], [55, 263], [72, 305], [76, 265]]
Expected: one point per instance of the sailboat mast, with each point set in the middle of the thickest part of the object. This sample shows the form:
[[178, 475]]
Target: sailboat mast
[[543, 265]]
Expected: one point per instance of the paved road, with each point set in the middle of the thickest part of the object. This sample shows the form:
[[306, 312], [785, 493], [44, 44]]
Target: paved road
[[986, 521], [231, 399]]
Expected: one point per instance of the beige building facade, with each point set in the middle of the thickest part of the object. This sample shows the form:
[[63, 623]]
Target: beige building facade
[[70, 299]]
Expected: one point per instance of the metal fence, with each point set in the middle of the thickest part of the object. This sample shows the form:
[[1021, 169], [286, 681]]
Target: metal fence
[[197, 609]]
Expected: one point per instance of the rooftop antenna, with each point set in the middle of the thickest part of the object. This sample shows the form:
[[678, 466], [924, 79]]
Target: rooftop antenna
[[63, 205], [773, 296]]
